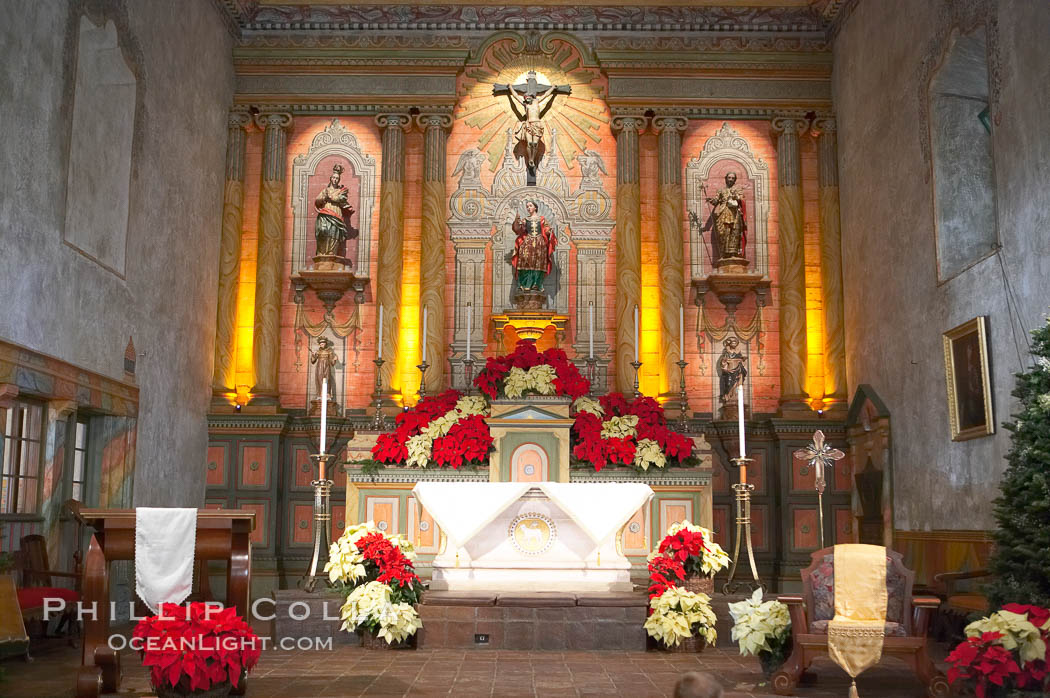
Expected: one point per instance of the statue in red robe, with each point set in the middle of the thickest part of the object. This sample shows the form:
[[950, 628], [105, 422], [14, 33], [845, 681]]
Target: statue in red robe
[[533, 249]]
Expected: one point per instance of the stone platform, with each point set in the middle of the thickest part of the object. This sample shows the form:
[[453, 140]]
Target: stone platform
[[308, 615], [537, 621]]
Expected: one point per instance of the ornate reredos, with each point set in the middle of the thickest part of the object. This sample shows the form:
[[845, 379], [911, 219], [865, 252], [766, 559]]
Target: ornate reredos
[[728, 144], [335, 139], [504, 58]]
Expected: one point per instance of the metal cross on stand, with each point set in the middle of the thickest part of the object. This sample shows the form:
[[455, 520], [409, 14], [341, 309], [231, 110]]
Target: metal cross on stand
[[820, 456]]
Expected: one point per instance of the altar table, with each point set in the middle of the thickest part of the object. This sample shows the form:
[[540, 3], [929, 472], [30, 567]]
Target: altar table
[[537, 536], [222, 534]]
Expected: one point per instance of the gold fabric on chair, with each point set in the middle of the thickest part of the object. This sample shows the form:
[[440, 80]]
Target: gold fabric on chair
[[856, 633]]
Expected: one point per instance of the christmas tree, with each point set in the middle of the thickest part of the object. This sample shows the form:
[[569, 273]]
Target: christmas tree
[[1021, 560]]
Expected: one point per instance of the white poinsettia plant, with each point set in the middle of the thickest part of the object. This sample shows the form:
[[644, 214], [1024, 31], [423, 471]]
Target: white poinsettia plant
[[678, 614], [1018, 633], [421, 446], [372, 606], [703, 556], [538, 379], [346, 563], [761, 627]]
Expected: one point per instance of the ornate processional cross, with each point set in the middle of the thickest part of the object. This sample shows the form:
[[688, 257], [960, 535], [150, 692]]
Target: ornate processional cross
[[820, 456]]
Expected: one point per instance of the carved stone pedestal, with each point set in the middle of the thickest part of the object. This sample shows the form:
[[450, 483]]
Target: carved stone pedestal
[[315, 407], [731, 283], [329, 284], [530, 324]]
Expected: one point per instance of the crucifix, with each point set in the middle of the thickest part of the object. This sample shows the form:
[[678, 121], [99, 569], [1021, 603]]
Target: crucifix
[[530, 101]]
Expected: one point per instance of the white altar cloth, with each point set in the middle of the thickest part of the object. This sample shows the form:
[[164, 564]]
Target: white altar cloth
[[538, 536]]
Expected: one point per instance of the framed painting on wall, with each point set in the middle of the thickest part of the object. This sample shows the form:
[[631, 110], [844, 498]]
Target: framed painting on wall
[[969, 390]]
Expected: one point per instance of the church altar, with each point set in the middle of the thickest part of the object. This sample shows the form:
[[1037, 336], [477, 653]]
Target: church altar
[[546, 536]]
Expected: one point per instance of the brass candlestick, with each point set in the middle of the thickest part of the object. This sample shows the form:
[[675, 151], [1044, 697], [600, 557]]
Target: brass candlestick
[[683, 401], [637, 365], [592, 369], [322, 525], [423, 379], [378, 419], [742, 492], [468, 372]]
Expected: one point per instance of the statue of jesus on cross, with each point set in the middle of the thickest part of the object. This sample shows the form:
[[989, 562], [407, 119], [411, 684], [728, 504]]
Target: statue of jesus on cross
[[534, 100]]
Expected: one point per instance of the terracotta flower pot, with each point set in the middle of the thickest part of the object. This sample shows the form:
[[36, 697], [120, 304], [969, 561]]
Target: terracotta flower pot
[[217, 690]]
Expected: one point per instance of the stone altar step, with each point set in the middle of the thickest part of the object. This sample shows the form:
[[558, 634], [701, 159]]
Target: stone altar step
[[537, 621], [299, 614]]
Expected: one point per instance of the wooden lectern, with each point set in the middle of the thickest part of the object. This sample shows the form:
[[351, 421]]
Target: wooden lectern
[[222, 534]]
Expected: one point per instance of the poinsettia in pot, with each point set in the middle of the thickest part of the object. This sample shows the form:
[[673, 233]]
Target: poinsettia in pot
[[681, 621], [196, 650], [762, 629], [375, 574], [448, 430], [694, 548], [527, 371], [1006, 654], [613, 430]]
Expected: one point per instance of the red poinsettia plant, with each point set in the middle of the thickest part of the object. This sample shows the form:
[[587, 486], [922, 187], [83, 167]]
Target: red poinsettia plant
[[1009, 649], [664, 573], [447, 431], [567, 380], [387, 563], [193, 647], [614, 430]]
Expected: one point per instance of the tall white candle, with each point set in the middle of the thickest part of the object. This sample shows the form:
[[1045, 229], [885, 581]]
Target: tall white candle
[[379, 351], [681, 333], [423, 331], [740, 417], [636, 334], [590, 331], [470, 326], [324, 413]]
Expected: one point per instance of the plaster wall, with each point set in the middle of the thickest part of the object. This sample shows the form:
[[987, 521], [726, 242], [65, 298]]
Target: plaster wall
[[895, 308], [61, 302]]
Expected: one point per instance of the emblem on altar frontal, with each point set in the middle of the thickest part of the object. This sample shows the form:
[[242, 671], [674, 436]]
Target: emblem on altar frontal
[[532, 534]]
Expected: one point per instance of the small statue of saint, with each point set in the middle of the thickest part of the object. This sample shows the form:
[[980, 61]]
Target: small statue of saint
[[533, 250], [732, 370], [728, 221], [326, 360], [333, 216]]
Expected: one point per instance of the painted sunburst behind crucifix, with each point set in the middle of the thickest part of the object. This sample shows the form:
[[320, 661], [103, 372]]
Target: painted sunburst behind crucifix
[[575, 118]]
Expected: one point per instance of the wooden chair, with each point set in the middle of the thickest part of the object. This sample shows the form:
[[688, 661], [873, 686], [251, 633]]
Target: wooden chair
[[37, 585], [907, 620]]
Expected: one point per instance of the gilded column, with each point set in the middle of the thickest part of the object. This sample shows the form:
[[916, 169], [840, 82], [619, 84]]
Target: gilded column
[[628, 245], [792, 265], [266, 346], [230, 254], [670, 244], [391, 236], [831, 266], [432, 243]]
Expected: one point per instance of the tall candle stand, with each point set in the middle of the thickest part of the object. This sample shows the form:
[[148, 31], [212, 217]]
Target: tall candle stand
[[378, 420], [322, 525], [683, 401], [637, 365], [742, 493], [423, 379], [468, 373], [592, 372]]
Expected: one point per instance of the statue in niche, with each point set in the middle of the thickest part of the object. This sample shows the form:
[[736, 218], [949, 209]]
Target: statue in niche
[[727, 223], [732, 370], [326, 361], [333, 216], [530, 101], [533, 255]]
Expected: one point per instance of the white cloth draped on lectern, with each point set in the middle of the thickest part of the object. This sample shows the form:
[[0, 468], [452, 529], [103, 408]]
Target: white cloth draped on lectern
[[165, 539], [462, 509], [599, 508]]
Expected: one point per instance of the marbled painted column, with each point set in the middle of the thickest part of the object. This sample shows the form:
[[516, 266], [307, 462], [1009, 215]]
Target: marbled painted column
[[387, 283], [669, 242], [628, 245], [835, 388], [792, 265], [230, 254], [432, 244], [266, 346]]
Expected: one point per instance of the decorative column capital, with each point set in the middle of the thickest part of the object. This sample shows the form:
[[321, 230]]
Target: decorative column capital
[[396, 121], [272, 120], [789, 125], [238, 120], [628, 123], [669, 124], [825, 126], [431, 122]]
